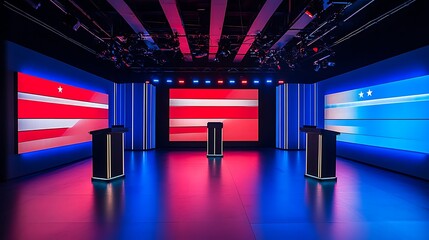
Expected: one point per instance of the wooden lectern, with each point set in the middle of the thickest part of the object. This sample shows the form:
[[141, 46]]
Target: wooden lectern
[[320, 153], [108, 153]]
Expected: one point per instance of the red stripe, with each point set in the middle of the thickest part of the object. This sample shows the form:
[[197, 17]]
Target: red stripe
[[213, 112], [76, 134], [33, 109], [174, 130], [245, 94], [40, 86], [25, 136]]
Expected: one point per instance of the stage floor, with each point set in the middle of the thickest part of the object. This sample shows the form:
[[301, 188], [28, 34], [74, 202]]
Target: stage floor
[[249, 194]]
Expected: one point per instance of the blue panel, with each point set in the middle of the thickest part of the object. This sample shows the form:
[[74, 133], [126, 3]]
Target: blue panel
[[293, 128], [138, 116], [392, 115], [389, 82]]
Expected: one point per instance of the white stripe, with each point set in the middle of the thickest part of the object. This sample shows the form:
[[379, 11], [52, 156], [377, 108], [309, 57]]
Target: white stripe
[[343, 129], [382, 101], [40, 98], [192, 122], [212, 102], [43, 124]]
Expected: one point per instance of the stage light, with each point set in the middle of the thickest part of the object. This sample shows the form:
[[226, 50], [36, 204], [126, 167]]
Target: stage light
[[195, 81], [309, 14], [169, 81], [281, 82], [181, 81], [256, 81], [231, 81], [147, 81], [208, 81], [155, 80], [331, 64], [269, 81], [244, 82], [220, 81], [315, 49]]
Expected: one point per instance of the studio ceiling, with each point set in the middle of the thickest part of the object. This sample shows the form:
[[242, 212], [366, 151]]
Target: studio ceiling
[[307, 40]]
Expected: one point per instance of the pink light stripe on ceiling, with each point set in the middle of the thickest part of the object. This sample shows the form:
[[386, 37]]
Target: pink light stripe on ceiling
[[125, 11], [217, 17], [172, 14], [258, 25], [302, 21]]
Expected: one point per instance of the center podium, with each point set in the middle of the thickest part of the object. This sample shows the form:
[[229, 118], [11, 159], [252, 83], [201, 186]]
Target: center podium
[[108, 153], [214, 139], [320, 153]]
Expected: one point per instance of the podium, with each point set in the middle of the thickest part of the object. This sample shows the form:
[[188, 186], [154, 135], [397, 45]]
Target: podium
[[108, 153], [214, 139], [320, 153]]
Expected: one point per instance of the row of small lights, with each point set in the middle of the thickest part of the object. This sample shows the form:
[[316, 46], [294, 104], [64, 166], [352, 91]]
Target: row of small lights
[[219, 82]]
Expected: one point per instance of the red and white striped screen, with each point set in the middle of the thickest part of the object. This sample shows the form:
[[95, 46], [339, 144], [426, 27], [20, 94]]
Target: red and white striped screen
[[52, 114], [192, 109]]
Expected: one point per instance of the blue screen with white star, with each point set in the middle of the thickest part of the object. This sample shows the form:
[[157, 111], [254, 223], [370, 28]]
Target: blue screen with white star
[[392, 115]]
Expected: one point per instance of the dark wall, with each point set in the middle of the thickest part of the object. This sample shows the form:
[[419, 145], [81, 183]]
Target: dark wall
[[408, 65], [267, 113], [21, 59], [3, 103]]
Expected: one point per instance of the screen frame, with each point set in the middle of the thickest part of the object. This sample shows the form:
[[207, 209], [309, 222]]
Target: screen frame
[[266, 125]]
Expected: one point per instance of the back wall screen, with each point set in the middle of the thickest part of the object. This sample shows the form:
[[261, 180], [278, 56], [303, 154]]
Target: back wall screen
[[392, 115], [53, 114], [191, 110]]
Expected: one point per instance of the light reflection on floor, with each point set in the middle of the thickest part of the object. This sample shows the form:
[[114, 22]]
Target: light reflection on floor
[[247, 194]]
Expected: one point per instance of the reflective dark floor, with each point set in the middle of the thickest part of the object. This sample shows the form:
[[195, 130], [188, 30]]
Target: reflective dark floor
[[260, 194]]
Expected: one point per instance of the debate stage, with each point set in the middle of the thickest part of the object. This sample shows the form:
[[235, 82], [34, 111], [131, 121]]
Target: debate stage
[[248, 194]]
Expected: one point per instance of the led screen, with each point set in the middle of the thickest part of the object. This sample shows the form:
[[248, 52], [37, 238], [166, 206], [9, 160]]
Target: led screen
[[192, 109], [392, 115], [52, 114]]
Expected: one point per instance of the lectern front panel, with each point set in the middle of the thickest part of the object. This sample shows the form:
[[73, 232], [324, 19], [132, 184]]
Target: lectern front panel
[[312, 154]]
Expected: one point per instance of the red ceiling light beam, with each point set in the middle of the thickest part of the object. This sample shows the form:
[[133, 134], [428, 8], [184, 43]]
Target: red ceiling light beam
[[172, 14], [217, 17], [258, 25], [125, 11]]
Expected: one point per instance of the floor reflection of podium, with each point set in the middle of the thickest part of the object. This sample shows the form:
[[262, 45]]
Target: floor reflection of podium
[[319, 197], [109, 200]]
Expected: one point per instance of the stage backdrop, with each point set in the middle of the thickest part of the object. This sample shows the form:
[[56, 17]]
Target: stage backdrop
[[53, 114], [382, 112], [248, 114], [191, 109]]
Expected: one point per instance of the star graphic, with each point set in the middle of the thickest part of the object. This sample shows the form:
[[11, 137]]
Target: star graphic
[[361, 94], [60, 89], [369, 92]]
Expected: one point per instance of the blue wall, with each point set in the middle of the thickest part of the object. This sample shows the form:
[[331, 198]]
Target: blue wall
[[294, 108], [404, 66], [136, 109], [24, 60]]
